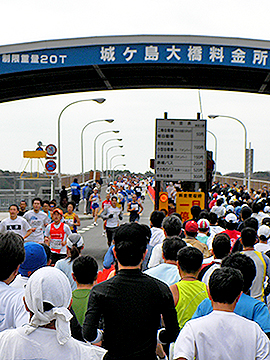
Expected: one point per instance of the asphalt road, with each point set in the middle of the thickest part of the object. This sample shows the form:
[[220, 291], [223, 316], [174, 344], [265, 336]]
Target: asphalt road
[[95, 243]]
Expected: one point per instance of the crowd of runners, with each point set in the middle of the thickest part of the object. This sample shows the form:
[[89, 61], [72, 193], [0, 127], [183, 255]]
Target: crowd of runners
[[168, 289]]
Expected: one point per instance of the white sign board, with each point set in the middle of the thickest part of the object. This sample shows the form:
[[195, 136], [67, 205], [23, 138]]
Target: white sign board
[[180, 150]]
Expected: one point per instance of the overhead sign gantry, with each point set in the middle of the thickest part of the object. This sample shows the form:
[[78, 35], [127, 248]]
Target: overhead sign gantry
[[129, 62]]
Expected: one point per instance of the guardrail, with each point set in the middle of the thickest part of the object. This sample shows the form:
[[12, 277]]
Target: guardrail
[[254, 184], [9, 196]]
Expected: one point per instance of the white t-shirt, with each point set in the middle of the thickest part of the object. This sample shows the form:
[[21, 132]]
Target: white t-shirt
[[114, 221], [19, 282], [38, 221], [19, 225], [67, 233], [12, 310], [222, 335], [157, 236], [214, 229], [42, 344], [156, 256], [262, 247]]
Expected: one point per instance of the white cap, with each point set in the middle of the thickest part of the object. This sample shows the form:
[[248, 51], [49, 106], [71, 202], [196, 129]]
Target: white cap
[[264, 230], [75, 239], [231, 218]]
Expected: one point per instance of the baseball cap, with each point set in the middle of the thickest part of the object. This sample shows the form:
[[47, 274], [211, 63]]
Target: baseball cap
[[231, 218], [75, 240], [191, 226], [59, 211], [203, 224], [35, 258], [264, 230]]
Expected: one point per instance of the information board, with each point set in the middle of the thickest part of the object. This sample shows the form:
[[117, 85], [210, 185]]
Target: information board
[[180, 150], [185, 201]]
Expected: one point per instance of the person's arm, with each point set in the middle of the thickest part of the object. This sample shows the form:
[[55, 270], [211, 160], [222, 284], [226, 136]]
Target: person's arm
[[29, 232], [77, 221], [128, 207], [169, 316], [140, 205], [67, 233], [92, 316], [175, 293], [47, 237]]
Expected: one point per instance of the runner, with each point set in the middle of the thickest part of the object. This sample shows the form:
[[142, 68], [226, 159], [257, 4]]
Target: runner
[[37, 220], [112, 214], [95, 200], [55, 236], [23, 208], [135, 209], [46, 209], [75, 192], [15, 223], [70, 218], [105, 204]]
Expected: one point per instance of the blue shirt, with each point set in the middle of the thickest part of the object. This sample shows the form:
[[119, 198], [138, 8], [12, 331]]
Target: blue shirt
[[247, 307], [75, 189]]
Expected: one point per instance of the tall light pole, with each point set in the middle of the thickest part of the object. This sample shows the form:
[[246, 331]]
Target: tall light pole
[[107, 162], [95, 150], [115, 157], [215, 138], [102, 151], [116, 166], [91, 122], [99, 101], [245, 132]]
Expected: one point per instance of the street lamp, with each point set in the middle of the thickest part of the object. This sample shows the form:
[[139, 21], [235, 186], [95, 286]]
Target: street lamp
[[91, 122], [115, 157], [245, 132], [102, 151], [95, 150], [215, 138], [99, 101], [107, 153], [116, 166]]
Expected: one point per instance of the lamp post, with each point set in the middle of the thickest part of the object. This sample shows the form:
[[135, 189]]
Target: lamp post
[[116, 166], [95, 150], [107, 162], [113, 158], [99, 101], [215, 138], [102, 151], [91, 122], [245, 132]]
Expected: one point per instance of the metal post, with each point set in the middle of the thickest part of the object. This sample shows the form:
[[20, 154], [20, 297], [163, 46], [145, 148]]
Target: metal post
[[82, 160], [95, 150], [245, 132], [99, 101]]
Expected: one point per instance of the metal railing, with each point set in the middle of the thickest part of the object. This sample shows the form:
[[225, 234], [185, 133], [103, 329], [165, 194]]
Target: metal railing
[[9, 196]]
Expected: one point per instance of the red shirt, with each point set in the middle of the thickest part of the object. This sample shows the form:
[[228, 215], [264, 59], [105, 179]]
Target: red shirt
[[233, 234]]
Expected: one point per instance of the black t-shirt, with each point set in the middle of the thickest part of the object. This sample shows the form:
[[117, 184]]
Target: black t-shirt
[[131, 304]]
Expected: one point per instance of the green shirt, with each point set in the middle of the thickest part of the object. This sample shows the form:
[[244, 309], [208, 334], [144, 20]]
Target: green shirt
[[191, 294], [80, 302]]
